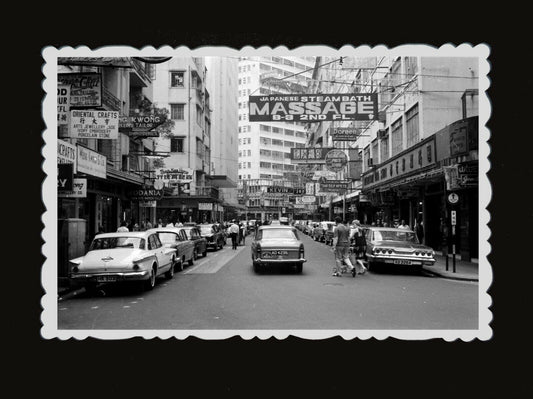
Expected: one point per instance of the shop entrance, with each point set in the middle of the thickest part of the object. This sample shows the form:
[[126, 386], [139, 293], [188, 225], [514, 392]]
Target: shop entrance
[[434, 212]]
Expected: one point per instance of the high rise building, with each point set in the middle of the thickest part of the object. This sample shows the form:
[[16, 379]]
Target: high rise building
[[264, 147], [222, 83]]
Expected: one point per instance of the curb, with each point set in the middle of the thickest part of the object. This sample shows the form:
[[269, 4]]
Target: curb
[[451, 277]]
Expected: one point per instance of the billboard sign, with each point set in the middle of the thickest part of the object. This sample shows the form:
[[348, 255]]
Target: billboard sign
[[140, 125], [91, 124], [313, 108], [79, 190], [145, 194], [336, 160], [63, 105], [172, 177], [334, 186], [66, 153], [85, 88], [344, 133], [310, 155], [91, 162]]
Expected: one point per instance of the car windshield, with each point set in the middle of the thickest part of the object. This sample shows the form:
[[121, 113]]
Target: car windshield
[[168, 238], [277, 233], [392, 235], [117, 242], [187, 232], [206, 229]]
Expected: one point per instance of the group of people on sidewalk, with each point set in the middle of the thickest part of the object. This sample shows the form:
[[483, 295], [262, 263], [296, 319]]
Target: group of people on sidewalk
[[237, 233], [145, 226]]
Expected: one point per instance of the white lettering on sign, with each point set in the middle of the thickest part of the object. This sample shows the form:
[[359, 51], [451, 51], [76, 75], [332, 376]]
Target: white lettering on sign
[[91, 162], [63, 105], [66, 153], [94, 124], [79, 190], [454, 218]]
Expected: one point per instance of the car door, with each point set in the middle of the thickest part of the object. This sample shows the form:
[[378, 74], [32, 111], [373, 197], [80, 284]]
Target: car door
[[201, 243], [187, 244], [162, 253]]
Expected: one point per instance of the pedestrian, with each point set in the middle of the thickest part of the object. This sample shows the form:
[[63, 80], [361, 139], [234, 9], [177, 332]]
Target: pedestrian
[[148, 224], [179, 224], [419, 229], [341, 243], [159, 223], [123, 228], [136, 227], [170, 224], [359, 246], [233, 231], [403, 225]]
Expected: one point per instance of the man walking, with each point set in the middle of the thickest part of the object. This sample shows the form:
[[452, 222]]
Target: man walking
[[341, 242], [233, 232]]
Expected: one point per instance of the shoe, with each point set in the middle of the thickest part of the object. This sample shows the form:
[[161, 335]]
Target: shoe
[[353, 271], [336, 274]]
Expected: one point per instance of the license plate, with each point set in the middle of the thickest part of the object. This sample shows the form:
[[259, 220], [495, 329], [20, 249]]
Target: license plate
[[275, 254], [402, 262], [106, 279]]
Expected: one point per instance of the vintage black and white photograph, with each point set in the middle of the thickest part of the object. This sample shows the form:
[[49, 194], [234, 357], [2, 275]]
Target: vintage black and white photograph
[[266, 192]]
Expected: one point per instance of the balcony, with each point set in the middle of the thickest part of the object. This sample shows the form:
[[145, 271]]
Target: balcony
[[140, 76], [208, 192]]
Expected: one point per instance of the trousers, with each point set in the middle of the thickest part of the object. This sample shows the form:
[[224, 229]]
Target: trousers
[[342, 253]]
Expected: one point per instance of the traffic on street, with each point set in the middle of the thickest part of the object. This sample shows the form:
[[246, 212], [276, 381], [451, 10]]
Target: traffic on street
[[222, 291]]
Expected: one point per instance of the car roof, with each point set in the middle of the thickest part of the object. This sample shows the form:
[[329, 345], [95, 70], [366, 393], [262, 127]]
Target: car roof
[[139, 234], [277, 226], [163, 229], [389, 229]]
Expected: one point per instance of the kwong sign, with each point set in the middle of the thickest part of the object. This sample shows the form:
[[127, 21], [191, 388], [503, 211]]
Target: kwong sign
[[314, 108]]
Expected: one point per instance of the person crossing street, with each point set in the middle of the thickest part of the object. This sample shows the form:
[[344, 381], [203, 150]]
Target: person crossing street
[[233, 232], [341, 243]]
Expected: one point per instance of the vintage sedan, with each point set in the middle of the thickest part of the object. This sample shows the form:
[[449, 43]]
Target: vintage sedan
[[200, 243], [213, 234], [394, 246], [175, 237], [124, 257], [277, 245]]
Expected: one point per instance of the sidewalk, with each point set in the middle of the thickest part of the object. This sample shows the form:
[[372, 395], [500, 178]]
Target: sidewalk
[[466, 271]]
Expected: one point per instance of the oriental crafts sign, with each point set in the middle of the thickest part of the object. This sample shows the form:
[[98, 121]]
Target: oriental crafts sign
[[313, 108]]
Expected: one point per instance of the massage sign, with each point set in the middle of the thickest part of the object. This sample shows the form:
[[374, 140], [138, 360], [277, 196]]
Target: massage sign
[[314, 108]]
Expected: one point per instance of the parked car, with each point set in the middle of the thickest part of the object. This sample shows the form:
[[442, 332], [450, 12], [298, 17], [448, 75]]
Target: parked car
[[319, 232], [175, 237], [284, 220], [328, 233], [251, 225], [277, 245], [194, 235], [213, 234], [124, 257], [396, 247]]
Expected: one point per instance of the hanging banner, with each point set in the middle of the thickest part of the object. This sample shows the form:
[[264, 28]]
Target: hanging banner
[[334, 186], [85, 88], [308, 199], [91, 162], [324, 174], [79, 190], [313, 108], [344, 133], [93, 124], [172, 177], [309, 155]]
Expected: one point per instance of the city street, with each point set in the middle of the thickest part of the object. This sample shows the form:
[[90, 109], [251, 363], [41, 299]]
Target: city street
[[223, 292]]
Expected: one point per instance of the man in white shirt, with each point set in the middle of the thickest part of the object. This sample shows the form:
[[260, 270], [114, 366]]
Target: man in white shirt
[[403, 225], [233, 232], [123, 228]]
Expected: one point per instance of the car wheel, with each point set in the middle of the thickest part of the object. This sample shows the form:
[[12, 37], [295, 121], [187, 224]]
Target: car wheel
[[170, 272], [299, 268], [150, 283], [182, 263]]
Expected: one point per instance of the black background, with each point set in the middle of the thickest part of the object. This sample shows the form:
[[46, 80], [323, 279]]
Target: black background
[[390, 368]]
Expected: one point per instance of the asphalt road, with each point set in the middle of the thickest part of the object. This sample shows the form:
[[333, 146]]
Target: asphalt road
[[222, 291]]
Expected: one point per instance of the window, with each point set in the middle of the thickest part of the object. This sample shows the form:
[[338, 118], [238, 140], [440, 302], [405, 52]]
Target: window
[[384, 149], [277, 142], [176, 144], [397, 139], [266, 165], [177, 79], [177, 111], [249, 153], [249, 165], [289, 144], [277, 130], [289, 132], [264, 128], [199, 115], [411, 67], [249, 140], [375, 151], [411, 125]]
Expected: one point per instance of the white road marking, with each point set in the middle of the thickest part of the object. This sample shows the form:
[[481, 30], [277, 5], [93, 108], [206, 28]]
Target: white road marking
[[209, 268], [94, 307]]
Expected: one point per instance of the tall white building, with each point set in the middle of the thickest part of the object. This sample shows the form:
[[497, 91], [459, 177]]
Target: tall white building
[[222, 83], [264, 147]]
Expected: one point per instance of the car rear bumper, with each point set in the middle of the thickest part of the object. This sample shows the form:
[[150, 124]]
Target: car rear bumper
[[113, 277], [278, 261], [414, 261]]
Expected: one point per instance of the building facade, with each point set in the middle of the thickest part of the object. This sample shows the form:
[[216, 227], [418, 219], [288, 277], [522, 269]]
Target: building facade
[[180, 86], [104, 171]]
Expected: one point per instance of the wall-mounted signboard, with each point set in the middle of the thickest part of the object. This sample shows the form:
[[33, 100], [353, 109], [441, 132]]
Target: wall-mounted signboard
[[79, 190], [91, 124], [313, 107], [344, 133], [91, 162], [85, 88]]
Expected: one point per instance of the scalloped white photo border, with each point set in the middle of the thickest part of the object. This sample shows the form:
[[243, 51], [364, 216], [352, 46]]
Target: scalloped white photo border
[[49, 315]]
